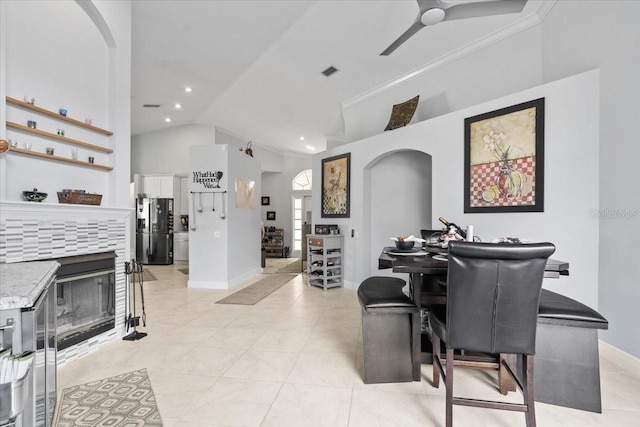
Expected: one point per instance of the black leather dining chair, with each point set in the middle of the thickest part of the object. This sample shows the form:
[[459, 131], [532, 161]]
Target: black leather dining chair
[[493, 292]]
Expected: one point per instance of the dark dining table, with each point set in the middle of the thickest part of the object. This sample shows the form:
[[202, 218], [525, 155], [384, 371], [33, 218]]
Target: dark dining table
[[427, 280]]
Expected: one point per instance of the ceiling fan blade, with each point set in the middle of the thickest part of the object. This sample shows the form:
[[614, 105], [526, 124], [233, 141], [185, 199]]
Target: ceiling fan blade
[[414, 28], [485, 8]]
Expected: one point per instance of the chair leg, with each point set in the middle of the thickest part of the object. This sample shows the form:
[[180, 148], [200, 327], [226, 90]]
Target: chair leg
[[436, 360], [505, 381], [528, 390], [449, 386]]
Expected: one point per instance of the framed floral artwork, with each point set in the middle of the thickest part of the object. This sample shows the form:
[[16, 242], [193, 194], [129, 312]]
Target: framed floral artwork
[[271, 215], [504, 160], [335, 186], [266, 200]]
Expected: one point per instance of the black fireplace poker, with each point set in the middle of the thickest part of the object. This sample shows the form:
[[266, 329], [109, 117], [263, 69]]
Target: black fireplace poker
[[133, 272]]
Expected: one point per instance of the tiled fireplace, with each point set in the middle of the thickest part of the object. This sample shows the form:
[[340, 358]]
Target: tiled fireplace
[[41, 231]]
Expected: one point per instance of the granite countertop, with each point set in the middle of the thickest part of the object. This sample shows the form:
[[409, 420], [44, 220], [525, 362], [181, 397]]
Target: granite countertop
[[22, 282]]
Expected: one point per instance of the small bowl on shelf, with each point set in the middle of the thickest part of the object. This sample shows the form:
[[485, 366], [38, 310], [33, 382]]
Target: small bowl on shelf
[[34, 196]]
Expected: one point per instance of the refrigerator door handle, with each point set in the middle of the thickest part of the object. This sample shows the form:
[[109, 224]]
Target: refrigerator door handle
[[150, 251]]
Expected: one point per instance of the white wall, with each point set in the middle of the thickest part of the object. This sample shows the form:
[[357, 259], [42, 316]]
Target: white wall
[[605, 34], [571, 182], [54, 52], [497, 70], [278, 187], [398, 189], [223, 251], [167, 151]]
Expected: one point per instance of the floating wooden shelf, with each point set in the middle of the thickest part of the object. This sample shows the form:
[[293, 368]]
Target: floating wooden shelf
[[59, 158], [50, 135], [57, 116]]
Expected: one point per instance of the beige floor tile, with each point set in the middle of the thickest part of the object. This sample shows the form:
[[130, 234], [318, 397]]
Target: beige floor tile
[[371, 407], [262, 366], [295, 359], [234, 402], [309, 405], [330, 369]]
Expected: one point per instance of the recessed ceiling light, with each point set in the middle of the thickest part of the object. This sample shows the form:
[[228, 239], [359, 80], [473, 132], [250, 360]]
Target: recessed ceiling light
[[187, 89], [168, 120], [302, 138], [178, 106], [311, 148]]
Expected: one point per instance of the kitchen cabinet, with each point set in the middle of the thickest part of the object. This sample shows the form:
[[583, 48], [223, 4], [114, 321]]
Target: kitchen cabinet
[[324, 260], [158, 186]]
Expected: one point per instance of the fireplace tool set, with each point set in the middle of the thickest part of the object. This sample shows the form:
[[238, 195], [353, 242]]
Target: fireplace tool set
[[134, 274]]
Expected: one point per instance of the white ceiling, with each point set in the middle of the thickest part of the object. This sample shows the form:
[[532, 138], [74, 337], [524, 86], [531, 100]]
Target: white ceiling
[[255, 66]]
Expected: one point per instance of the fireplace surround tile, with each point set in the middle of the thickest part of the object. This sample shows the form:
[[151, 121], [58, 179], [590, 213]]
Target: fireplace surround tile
[[43, 231]]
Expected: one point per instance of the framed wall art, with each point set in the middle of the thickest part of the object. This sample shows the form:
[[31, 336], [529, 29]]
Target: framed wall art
[[271, 215], [336, 177], [266, 201], [504, 160]]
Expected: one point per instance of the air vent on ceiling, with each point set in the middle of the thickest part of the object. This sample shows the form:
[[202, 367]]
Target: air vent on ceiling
[[151, 105], [329, 71]]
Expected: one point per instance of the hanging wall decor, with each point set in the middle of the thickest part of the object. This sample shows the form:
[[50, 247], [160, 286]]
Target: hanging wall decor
[[401, 114], [504, 160], [271, 216], [336, 186], [266, 200], [245, 193]]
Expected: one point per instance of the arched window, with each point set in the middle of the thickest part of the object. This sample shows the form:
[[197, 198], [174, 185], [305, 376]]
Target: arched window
[[302, 181]]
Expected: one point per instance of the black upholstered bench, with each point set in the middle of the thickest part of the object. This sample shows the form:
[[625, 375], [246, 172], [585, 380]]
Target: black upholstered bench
[[567, 365], [388, 319]]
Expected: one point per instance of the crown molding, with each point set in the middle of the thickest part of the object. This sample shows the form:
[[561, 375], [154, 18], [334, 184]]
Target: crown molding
[[516, 27]]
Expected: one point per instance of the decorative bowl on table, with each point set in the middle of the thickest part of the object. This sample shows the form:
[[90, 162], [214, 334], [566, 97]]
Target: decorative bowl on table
[[34, 196], [405, 245]]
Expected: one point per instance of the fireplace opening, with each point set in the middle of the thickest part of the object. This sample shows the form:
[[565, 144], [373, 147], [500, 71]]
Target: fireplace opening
[[85, 305]]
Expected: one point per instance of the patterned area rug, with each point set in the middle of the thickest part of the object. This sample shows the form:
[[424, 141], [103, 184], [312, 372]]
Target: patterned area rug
[[123, 400], [255, 293]]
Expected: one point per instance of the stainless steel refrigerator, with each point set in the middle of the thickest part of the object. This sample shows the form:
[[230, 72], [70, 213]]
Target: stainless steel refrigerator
[[154, 231]]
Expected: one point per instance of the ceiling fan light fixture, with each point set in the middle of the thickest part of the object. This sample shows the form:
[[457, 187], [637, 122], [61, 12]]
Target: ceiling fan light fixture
[[432, 16]]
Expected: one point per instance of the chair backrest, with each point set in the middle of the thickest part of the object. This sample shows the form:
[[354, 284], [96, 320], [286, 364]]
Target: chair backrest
[[431, 236], [493, 292]]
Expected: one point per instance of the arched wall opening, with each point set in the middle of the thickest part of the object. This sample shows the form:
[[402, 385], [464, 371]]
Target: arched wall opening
[[395, 208]]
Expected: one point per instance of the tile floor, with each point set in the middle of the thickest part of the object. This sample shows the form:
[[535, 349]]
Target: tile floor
[[295, 359]]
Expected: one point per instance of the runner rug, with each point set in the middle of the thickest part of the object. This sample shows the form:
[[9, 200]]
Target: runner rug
[[294, 267], [123, 400], [255, 293]]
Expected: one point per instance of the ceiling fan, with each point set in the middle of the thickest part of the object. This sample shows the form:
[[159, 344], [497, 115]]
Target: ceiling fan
[[435, 11]]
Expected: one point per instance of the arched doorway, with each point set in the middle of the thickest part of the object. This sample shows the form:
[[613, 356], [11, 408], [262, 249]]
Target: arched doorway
[[301, 186]]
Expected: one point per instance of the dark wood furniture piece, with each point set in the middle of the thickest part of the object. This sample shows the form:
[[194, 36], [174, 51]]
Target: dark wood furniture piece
[[388, 316], [502, 283], [566, 343], [567, 363], [427, 277]]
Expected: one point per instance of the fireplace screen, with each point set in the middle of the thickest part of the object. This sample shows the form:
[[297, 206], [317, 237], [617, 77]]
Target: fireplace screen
[[86, 298]]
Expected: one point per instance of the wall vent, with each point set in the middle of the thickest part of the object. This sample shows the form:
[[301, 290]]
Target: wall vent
[[151, 105], [329, 71]]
